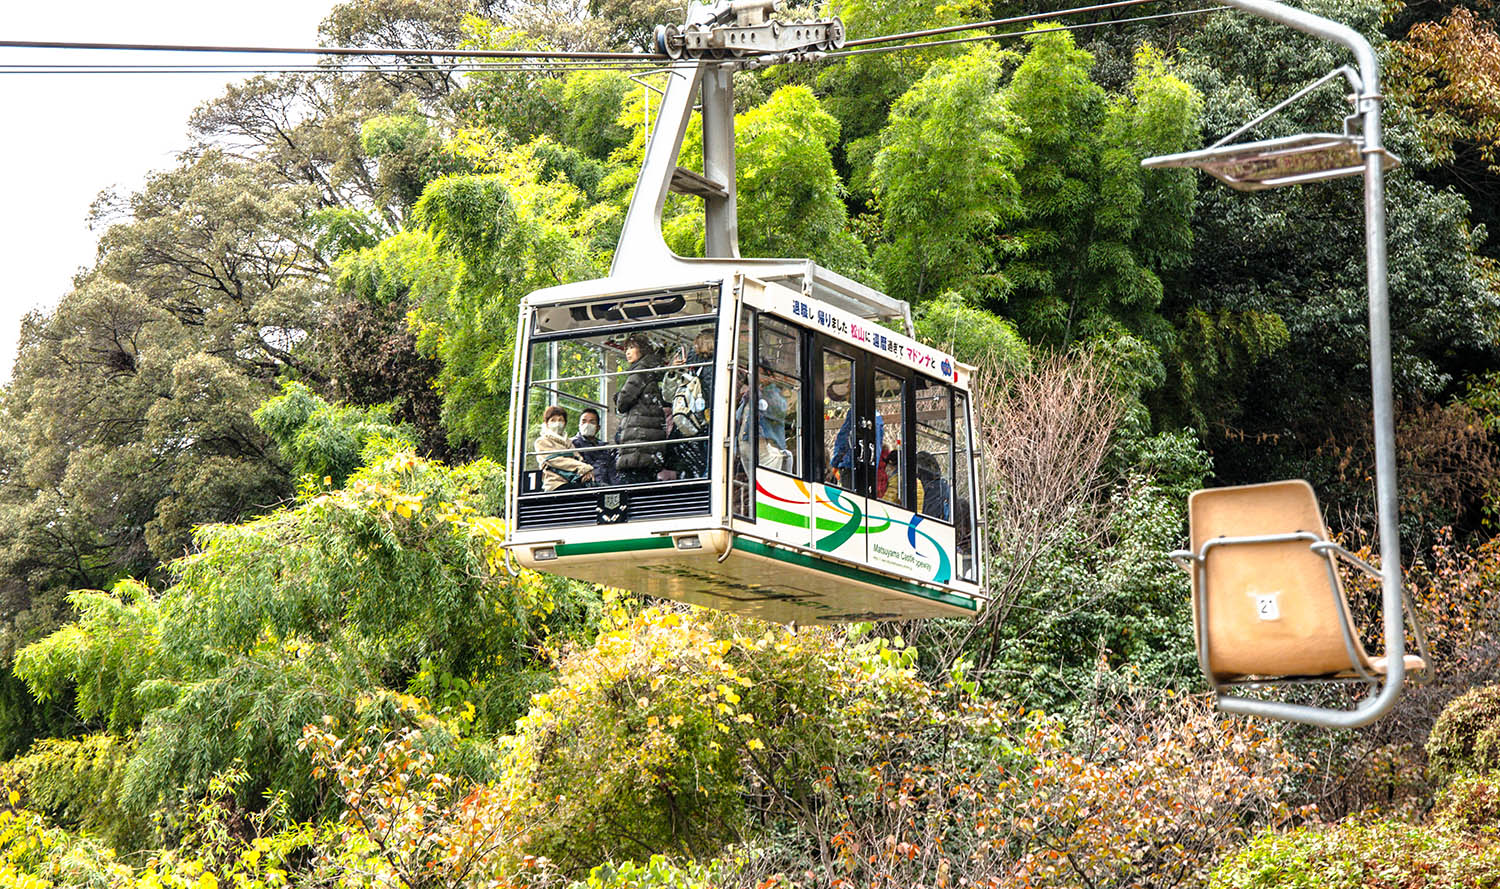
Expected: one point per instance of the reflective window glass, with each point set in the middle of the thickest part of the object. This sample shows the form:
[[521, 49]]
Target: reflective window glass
[[744, 463], [933, 460], [964, 501], [890, 423], [609, 408], [839, 433], [779, 404]]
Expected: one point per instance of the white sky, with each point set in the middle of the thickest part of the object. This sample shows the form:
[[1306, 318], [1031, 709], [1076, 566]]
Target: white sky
[[69, 136]]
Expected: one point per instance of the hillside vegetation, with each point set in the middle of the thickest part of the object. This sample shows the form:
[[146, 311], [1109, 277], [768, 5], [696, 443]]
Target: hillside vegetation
[[257, 629]]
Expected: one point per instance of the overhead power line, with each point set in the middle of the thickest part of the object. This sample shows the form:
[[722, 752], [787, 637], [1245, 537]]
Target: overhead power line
[[335, 51], [995, 23], [458, 68]]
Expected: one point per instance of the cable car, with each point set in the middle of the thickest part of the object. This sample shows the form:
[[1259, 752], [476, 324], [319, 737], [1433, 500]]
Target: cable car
[[762, 441], [1268, 603]]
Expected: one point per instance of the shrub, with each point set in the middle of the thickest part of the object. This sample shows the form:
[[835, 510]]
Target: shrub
[[405, 821], [1466, 737], [1365, 853], [1472, 801], [76, 783], [34, 855], [1456, 591], [1153, 795], [661, 736], [393, 584], [661, 873], [222, 846]]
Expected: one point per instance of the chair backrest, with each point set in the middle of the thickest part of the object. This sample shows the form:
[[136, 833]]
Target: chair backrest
[[1271, 611]]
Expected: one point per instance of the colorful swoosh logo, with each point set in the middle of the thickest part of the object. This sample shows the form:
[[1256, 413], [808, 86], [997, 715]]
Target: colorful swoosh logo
[[856, 521]]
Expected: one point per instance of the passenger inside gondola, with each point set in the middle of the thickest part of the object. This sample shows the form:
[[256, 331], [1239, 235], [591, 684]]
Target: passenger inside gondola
[[643, 419], [562, 466], [692, 394], [889, 472], [593, 448], [934, 498]]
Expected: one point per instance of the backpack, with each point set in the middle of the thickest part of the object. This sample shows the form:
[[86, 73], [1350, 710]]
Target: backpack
[[689, 415]]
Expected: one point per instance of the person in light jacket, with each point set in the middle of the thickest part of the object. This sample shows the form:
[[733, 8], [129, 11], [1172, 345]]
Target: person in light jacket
[[561, 465], [643, 415]]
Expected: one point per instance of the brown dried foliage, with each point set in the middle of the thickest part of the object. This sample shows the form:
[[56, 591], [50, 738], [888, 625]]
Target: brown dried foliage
[[1456, 593], [1450, 71], [1044, 432]]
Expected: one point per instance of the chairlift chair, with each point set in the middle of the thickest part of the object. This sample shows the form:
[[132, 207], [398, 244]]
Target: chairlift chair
[[1267, 601]]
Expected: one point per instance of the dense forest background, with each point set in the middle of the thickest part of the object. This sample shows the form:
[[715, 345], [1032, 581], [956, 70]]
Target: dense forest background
[[256, 630]]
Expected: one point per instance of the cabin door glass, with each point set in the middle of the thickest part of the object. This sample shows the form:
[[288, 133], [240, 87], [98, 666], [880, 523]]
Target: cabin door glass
[[838, 503]]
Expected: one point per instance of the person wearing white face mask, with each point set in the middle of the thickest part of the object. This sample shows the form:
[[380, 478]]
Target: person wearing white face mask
[[602, 460], [561, 466]]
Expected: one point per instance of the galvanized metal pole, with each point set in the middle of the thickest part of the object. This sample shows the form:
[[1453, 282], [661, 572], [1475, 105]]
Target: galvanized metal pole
[[721, 223], [1380, 380]]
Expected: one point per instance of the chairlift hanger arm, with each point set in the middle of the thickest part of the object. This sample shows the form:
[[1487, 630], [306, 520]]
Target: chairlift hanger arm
[[1372, 162]]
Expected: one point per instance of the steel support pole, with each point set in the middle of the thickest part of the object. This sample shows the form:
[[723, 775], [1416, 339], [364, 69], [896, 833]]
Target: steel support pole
[[1369, 98], [721, 225]]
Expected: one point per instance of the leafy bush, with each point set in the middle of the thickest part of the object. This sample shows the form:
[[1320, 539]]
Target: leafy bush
[[1472, 801], [1400, 761], [406, 822], [661, 873], [1365, 853], [1466, 737], [391, 584], [1152, 795], [655, 737], [77, 784], [34, 855], [222, 845]]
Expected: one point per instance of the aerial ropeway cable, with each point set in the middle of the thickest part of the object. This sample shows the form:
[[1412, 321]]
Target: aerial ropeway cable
[[528, 60]]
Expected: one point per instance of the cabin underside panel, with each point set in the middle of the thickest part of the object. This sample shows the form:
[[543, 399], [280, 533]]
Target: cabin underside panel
[[769, 582]]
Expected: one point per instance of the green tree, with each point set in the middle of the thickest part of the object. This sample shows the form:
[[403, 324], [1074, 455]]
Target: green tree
[[592, 101], [1083, 258], [367, 344], [944, 176], [509, 233], [861, 89], [325, 440], [790, 197], [1272, 312]]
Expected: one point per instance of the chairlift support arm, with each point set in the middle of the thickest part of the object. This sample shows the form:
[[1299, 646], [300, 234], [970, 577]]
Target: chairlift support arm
[[1367, 110]]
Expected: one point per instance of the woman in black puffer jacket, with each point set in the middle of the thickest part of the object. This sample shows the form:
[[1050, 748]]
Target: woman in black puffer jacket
[[643, 414]]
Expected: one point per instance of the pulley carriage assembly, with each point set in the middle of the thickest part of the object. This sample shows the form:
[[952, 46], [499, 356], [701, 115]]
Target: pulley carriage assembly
[[728, 30]]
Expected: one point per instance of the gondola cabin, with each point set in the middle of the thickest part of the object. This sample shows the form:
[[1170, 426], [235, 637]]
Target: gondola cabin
[[750, 439]]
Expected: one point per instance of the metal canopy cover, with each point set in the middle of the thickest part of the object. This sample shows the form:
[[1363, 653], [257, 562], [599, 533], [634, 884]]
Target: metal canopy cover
[[1252, 166]]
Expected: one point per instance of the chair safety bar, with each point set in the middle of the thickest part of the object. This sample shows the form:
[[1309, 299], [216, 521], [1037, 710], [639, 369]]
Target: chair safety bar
[[1418, 631]]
